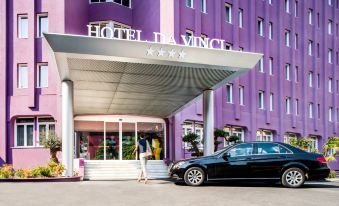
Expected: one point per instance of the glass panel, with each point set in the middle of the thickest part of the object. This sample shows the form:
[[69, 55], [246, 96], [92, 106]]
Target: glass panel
[[241, 150], [128, 141], [268, 149], [42, 132], [43, 25], [91, 134], [23, 27], [112, 141], [20, 135], [23, 77], [154, 133], [29, 135], [51, 129], [43, 76]]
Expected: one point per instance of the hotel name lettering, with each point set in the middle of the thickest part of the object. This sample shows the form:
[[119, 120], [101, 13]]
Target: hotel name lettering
[[135, 35]]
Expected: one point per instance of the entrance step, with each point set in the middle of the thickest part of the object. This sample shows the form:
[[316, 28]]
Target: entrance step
[[123, 169]]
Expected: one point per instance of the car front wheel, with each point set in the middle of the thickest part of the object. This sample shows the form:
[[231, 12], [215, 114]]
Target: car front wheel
[[293, 177], [194, 176]]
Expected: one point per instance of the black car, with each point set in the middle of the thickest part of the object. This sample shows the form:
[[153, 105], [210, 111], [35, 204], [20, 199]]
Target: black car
[[259, 161]]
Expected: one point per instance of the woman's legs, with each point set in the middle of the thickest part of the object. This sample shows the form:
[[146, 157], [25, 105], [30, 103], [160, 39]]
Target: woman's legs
[[143, 162]]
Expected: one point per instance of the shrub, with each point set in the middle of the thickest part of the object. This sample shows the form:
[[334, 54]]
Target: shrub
[[55, 168], [6, 171], [41, 172], [218, 133], [23, 173], [332, 174], [193, 140], [53, 143]]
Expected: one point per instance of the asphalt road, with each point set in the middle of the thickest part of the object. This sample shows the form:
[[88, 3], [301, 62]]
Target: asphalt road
[[160, 193]]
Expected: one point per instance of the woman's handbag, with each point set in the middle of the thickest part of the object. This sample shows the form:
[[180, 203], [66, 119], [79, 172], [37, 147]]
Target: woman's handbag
[[148, 150]]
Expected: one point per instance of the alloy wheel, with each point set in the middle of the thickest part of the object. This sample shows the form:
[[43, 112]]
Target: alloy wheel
[[294, 178]]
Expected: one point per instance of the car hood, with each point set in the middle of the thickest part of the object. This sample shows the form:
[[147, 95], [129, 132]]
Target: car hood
[[193, 159]]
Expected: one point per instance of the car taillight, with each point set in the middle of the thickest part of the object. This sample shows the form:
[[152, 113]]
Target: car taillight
[[321, 159]]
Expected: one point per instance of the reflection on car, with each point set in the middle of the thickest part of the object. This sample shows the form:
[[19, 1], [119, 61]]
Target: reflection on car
[[259, 161]]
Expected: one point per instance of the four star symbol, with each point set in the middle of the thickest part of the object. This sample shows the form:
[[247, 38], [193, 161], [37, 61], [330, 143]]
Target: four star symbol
[[161, 52]]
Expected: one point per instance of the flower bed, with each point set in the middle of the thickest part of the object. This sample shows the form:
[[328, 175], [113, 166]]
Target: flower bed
[[51, 173]]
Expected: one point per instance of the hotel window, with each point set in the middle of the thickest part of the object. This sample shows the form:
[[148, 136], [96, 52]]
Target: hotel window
[[337, 57], [241, 95], [270, 64], [288, 105], [313, 144], [287, 6], [310, 16], [296, 106], [261, 65], [229, 93], [310, 79], [228, 46], [228, 11], [296, 74], [330, 2], [240, 17], [271, 101], [336, 29], [234, 131], [121, 34], [99, 1], [264, 135], [270, 2], [330, 85], [203, 6], [318, 110], [310, 110], [330, 112], [189, 37], [22, 26], [337, 85], [318, 20], [310, 47], [329, 26], [296, 9], [296, 40], [42, 24], [100, 25], [337, 114], [318, 50], [270, 30], [329, 55], [24, 132], [318, 80], [121, 2], [261, 26], [22, 76], [287, 72], [42, 75], [261, 99], [287, 38], [189, 3], [46, 127]]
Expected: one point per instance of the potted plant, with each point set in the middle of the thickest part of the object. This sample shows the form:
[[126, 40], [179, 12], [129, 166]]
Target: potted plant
[[193, 140], [218, 133], [54, 144]]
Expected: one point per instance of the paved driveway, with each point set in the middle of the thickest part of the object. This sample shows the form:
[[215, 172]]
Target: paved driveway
[[159, 193]]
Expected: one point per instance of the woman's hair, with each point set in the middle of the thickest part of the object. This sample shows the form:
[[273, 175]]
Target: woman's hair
[[141, 135]]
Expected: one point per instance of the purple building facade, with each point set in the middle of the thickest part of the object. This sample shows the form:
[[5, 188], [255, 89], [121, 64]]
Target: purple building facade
[[292, 93]]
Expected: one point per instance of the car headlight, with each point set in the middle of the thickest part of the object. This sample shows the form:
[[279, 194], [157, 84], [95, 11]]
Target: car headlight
[[178, 164]]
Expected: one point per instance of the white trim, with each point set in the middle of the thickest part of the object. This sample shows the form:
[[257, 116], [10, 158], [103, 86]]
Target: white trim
[[38, 82], [229, 95], [19, 76], [19, 29], [25, 132], [47, 124], [228, 17]]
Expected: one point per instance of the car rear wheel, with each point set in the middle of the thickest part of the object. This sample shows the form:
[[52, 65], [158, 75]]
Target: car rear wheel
[[194, 176], [293, 177]]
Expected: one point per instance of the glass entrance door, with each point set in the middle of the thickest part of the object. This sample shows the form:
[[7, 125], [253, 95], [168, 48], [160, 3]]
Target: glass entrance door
[[112, 137], [128, 141]]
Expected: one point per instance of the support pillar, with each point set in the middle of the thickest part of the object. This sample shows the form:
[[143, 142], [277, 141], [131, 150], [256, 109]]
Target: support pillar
[[208, 116], [67, 127]]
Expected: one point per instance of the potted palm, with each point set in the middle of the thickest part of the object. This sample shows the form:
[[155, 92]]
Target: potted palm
[[54, 144], [218, 133], [193, 140]]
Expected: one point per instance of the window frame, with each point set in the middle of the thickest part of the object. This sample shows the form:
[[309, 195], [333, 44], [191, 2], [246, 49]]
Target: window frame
[[19, 77], [112, 1], [264, 133], [47, 124], [261, 96], [288, 105], [25, 124], [203, 6], [19, 24], [39, 32], [271, 101], [270, 66], [310, 110], [228, 16], [270, 30], [287, 38], [261, 26], [191, 5], [38, 82], [241, 95], [288, 72], [240, 18], [229, 93]]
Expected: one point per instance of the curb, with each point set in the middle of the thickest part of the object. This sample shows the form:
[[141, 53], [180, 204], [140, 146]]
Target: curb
[[53, 179]]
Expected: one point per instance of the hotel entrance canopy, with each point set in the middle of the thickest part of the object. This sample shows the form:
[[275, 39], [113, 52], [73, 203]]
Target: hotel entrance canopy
[[114, 76]]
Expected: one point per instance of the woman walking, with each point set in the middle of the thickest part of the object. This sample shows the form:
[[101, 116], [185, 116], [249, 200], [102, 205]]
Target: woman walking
[[144, 151]]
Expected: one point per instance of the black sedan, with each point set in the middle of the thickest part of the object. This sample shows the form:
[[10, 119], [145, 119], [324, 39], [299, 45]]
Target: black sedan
[[259, 161]]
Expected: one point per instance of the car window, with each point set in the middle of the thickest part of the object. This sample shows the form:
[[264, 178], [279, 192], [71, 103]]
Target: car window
[[283, 150], [241, 150], [268, 148]]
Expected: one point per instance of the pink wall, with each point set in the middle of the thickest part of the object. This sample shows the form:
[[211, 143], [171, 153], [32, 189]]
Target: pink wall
[[2, 81]]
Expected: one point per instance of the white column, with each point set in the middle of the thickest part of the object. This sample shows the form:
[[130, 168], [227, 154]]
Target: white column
[[67, 127], [208, 115]]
